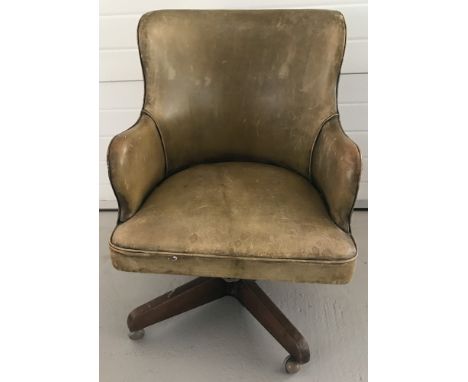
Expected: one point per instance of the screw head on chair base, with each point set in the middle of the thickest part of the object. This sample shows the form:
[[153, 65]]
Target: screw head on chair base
[[137, 335], [291, 366]]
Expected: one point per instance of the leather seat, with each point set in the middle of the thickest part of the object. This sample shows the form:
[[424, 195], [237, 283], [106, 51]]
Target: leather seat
[[244, 216]]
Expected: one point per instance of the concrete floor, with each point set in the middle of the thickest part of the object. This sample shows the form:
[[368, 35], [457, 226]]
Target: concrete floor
[[221, 341]]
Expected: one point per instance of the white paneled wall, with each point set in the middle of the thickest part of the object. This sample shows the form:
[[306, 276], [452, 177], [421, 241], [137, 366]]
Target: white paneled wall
[[121, 85]]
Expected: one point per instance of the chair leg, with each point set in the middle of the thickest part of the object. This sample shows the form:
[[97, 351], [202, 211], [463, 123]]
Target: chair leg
[[186, 297], [267, 313], [204, 290]]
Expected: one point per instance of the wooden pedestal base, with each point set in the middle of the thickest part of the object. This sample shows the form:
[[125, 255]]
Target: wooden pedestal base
[[204, 290]]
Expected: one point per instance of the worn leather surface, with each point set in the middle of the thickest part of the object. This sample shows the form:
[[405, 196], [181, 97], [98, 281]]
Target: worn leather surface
[[236, 209], [244, 211], [257, 89], [136, 164], [336, 170], [241, 85], [324, 272]]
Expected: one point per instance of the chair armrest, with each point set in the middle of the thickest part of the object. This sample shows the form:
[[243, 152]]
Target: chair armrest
[[136, 164], [336, 170]]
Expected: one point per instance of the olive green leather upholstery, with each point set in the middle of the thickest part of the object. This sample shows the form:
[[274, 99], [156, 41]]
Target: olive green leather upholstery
[[238, 165]]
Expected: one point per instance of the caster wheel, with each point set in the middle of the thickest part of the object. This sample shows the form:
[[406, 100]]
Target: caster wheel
[[291, 366], [138, 335]]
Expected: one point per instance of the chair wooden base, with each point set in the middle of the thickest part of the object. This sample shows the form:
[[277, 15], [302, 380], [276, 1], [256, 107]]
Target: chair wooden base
[[203, 290]]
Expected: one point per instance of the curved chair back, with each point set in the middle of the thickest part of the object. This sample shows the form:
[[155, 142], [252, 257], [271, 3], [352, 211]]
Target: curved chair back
[[241, 85]]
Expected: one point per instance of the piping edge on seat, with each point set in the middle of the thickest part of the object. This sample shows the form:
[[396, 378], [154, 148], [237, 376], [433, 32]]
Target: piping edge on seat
[[146, 254], [305, 271]]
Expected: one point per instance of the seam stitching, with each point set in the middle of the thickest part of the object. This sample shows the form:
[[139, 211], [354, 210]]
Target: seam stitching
[[143, 253], [324, 122], [166, 165]]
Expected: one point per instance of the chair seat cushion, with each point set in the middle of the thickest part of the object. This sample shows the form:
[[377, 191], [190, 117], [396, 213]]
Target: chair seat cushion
[[235, 219]]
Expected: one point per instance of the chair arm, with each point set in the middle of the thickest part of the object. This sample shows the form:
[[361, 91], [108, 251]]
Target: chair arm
[[136, 164], [336, 170]]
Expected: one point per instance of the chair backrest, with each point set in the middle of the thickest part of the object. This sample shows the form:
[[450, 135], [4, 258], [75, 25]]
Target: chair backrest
[[241, 85]]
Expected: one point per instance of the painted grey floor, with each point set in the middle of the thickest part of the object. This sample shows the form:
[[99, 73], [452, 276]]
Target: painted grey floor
[[221, 341]]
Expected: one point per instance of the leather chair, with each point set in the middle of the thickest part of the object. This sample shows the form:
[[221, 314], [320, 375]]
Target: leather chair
[[238, 168]]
